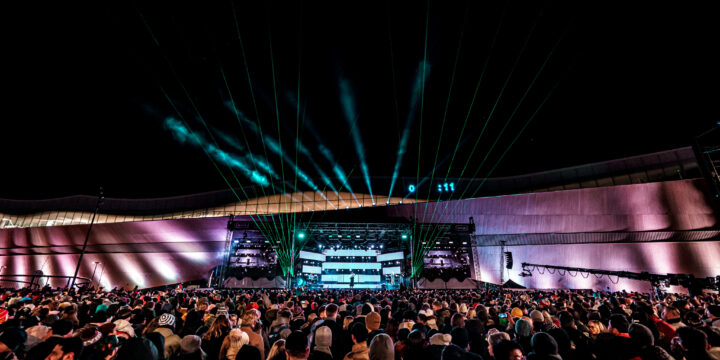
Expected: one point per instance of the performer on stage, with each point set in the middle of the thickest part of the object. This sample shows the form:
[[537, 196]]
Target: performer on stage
[[352, 280]]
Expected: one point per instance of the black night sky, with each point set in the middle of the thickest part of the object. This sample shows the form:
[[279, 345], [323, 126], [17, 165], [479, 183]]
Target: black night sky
[[84, 106]]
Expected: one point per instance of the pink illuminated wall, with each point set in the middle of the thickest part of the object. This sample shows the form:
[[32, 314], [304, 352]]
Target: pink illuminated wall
[[673, 205], [147, 253]]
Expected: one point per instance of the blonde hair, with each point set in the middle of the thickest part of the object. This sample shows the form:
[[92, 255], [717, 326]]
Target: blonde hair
[[599, 325], [347, 321], [232, 344], [277, 350]]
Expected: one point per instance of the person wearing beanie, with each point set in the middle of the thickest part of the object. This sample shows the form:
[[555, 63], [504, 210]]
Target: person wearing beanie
[[372, 323], [166, 328], [438, 342], [382, 348], [544, 347], [323, 342], [523, 331], [124, 329], [296, 346], [644, 342], [190, 348], [360, 350], [235, 339], [538, 320], [516, 312], [249, 321]]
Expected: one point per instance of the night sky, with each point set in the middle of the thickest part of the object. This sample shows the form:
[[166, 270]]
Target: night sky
[[84, 105]]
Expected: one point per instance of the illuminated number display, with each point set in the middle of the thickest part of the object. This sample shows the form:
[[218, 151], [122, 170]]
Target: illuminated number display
[[446, 187]]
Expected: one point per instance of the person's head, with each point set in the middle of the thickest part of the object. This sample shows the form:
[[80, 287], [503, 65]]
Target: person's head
[[671, 315], [496, 338], [441, 339], [331, 311], [596, 327], [544, 344], [523, 329], [460, 337], [618, 324], [220, 326], [507, 350], [641, 336], [372, 321], [453, 352], [67, 349], [249, 318], [458, 320], [296, 346], [166, 320], [158, 340], [277, 351], [190, 344], [138, 349], [382, 348], [232, 343], [323, 337], [693, 342], [285, 314], [347, 321], [566, 319], [62, 328], [359, 333]]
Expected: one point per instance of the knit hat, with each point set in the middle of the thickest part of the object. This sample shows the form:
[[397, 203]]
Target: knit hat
[[523, 328], [641, 336], [441, 339], [516, 312], [544, 344], [101, 307], [35, 335], [124, 327], [537, 316], [123, 313], [432, 323], [323, 339], [190, 344], [372, 321], [166, 320]]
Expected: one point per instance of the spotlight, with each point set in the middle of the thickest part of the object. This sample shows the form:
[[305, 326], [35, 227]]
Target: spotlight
[[403, 236], [301, 235], [411, 188], [381, 246], [357, 236]]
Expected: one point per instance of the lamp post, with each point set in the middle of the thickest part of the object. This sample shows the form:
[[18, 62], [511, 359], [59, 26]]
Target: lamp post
[[100, 200]]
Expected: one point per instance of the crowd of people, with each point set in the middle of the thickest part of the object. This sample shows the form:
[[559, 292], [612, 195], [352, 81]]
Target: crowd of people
[[206, 324]]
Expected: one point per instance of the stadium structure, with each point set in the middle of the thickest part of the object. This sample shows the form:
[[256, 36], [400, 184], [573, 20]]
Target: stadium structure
[[587, 227]]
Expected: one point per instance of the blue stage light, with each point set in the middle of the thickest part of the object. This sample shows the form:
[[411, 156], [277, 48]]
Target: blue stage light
[[411, 188]]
